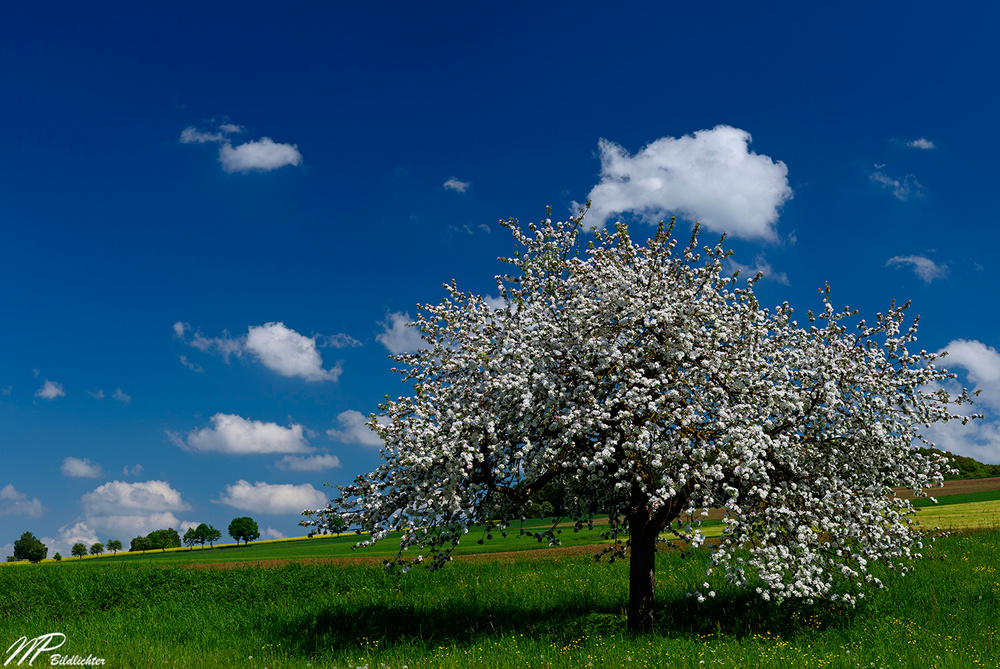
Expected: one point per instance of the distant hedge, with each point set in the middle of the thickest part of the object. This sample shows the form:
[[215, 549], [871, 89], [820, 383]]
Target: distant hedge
[[968, 468]]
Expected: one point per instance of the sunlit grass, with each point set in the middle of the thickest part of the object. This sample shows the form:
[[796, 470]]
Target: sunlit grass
[[543, 612]]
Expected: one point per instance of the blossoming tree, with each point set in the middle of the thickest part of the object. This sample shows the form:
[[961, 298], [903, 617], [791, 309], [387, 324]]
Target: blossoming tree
[[651, 387]]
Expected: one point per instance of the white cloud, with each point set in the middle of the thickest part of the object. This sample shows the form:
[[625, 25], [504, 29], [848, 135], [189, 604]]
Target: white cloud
[[288, 353], [759, 265], [978, 439], [76, 533], [925, 268], [922, 143], [121, 397], [981, 363], [457, 185], [50, 390], [77, 468], [277, 347], [313, 463], [15, 503], [903, 189], [354, 429], [262, 155], [124, 510], [238, 436], [191, 135], [711, 177], [398, 336], [271, 533], [193, 366], [339, 340], [133, 471], [267, 498], [96, 394]]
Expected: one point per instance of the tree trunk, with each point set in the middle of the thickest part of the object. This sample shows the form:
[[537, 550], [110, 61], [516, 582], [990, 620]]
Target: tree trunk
[[642, 570], [644, 532]]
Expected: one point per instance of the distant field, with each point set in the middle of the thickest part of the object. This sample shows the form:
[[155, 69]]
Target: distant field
[[961, 504]]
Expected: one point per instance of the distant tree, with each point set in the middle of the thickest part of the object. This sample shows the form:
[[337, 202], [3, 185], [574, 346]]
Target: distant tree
[[244, 528], [140, 544], [190, 537], [114, 546], [57, 557], [96, 548], [173, 538], [29, 548], [164, 539], [79, 549], [211, 534]]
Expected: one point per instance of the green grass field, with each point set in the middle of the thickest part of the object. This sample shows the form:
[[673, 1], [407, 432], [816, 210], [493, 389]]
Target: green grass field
[[559, 609]]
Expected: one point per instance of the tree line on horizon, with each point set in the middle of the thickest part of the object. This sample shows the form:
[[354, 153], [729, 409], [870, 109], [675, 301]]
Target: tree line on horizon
[[29, 548]]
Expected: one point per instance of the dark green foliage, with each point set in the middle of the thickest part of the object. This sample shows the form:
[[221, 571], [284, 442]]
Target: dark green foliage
[[967, 467], [57, 557], [114, 546], [244, 528], [164, 539], [208, 533], [29, 548], [140, 544], [97, 548], [79, 549], [201, 534]]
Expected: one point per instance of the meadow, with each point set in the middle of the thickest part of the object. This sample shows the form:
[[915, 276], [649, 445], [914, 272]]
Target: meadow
[[292, 606]]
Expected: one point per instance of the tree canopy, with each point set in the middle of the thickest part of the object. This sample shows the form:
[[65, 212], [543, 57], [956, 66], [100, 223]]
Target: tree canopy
[[28, 547], [244, 528], [650, 385]]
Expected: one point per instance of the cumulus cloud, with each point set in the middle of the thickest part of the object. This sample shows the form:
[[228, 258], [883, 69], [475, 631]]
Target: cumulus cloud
[[277, 347], [456, 185], [121, 396], [77, 468], [398, 336], [288, 353], [979, 439], [261, 155], [232, 434], [981, 364], [123, 510], [272, 498], [902, 189], [16, 503], [312, 463], [925, 268], [77, 533], [922, 143], [711, 177], [50, 390], [354, 429], [271, 533]]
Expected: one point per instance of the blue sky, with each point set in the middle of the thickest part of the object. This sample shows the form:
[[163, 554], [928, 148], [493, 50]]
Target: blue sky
[[217, 217]]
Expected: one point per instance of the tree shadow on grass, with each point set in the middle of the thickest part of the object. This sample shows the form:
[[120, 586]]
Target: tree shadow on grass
[[460, 623]]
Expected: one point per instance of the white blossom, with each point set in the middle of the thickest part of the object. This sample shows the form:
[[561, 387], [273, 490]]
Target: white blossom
[[651, 386]]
